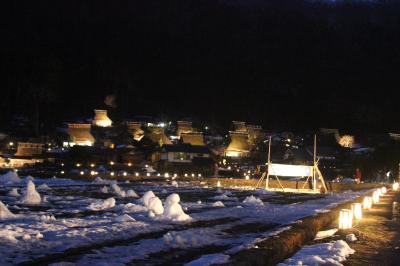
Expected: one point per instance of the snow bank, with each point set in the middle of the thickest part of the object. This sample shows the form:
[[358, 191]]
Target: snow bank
[[124, 218], [174, 184], [173, 210], [251, 200], [5, 212], [209, 259], [225, 197], [46, 218], [102, 204], [10, 177], [189, 238], [218, 204], [31, 196], [14, 193], [146, 197], [325, 234], [132, 194], [131, 208], [321, 254]]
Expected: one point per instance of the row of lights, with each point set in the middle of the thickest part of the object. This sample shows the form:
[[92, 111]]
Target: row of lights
[[346, 215]]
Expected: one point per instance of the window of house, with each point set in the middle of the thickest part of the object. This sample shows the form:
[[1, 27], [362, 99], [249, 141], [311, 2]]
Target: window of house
[[183, 156]]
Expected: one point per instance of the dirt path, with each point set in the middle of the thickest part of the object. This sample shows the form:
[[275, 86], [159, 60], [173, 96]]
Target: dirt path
[[378, 234]]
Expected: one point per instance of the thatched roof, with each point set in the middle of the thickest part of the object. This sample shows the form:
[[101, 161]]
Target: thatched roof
[[194, 138], [184, 127], [239, 142], [101, 119], [80, 133]]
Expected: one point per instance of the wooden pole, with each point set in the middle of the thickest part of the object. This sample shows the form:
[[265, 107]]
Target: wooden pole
[[269, 161], [315, 161]]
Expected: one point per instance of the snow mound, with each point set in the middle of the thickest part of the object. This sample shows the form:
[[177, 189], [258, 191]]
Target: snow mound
[[102, 204], [46, 218], [124, 218], [31, 196], [146, 197], [189, 239], [5, 212], [325, 234], [332, 253], [173, 210], [131, 207], [155, 207], [10, 177], [251, 200], [14, 193], [29, 177], [43, 187], [174, 184], [224, 196], [99, 180], [104, 189], [262, 191], [164, 191], [209, 259], [218, 204], [132, 194], [117, 190], [351, 238]]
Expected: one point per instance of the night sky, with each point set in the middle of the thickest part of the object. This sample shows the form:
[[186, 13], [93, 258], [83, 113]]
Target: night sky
[[283, 64]]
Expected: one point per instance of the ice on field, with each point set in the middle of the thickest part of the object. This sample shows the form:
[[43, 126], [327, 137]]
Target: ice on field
[[102, 204], [14, 193], [124, 218], [5, 213], [251, 200], [218, 204], [31, 196], [173, 210], [9, 178], [332, 253]]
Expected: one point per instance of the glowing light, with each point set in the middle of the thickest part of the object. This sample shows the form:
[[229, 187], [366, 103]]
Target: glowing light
[[112, 173], [148, 174], [175, 175], [290, 170], [367, 203], [357, 211], [93, 172], [395, 186], [199, 175], [92, 165], [345, 219], [247, 177], [124, 173], [112, 163], [11, 143], [232, 154], [158, 174], [62, 164], [136, 174], [346, 141], [375, 197], [129, 164], [146, 166], [82, 173], [383, 190], [78, 165], [166, 175], [218, 184], [186, 175], [62, 172], [192, 175]]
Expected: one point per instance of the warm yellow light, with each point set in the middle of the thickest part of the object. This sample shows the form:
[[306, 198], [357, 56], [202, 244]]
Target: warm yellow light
[[129, 164], [199, 175], [367, 203], [232, 154], [395, 186], [247, 177], [383, 190], [186, 175], [112, 163], [158, 174], [62, 164], [192, 175], [357, 211], [92, 165], [125, 173], [78, 165], [62, 172], [93, 173], [136, 174], [11, 144], [166, 175], [218, 184], [112, 173], [148, 174], [345, 219], [82, 173], [175, 175], [146, 165]]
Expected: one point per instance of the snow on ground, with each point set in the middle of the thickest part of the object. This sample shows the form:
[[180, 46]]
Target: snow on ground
[[31, 196], [325, 234], [332, 253], [209, 259], [78, 213]]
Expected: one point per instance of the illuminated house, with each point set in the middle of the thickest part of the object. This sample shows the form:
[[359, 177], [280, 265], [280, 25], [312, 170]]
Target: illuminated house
[[239, 126], [135, 129], [101, 119], [193, 138], [80, 135], [28, 153], [239, 145], [157, 135], [183, 153], [184, 127]]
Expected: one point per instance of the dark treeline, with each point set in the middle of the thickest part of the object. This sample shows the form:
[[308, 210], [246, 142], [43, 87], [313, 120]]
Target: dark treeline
[[284, 64]]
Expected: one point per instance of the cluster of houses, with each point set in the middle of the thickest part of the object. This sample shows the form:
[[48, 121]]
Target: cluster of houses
[[181, 146]]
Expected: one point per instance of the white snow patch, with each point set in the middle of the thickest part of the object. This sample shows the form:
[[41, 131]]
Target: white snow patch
[[132, 194], [43, 187], [10, 177], [31, 196], [332, 253], [251, 200], [117, 190], [325, 234], [124, 218], [173, 210], [218, 204], [209, 259], [5, 212], [146, 197], [155, 206], [102, 204], [189, 238], [174, 184], [104, 189]]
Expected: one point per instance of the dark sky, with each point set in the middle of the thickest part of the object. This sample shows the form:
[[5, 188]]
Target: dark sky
[[284, 64]]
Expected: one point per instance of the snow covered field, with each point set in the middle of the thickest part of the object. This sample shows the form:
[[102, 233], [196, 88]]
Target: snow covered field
[[61, 220]]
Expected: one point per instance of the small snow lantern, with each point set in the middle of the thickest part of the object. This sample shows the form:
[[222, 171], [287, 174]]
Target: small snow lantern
[[375, 197], [384, 190], [395, 186], [357, 211], [345, 219], [367, 203]]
